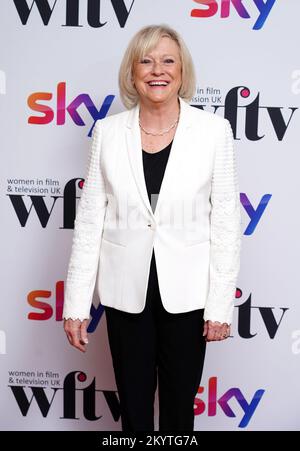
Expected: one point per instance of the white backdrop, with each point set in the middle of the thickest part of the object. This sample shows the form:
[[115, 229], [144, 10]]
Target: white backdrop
[[57, 68]]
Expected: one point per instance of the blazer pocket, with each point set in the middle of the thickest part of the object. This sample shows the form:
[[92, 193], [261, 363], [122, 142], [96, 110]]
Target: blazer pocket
[[111, 269], [193, 237]]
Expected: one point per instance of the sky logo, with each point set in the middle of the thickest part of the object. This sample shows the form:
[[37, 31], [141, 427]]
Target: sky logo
[[214, 401], [211, 7], [54, 309], [38, 101]]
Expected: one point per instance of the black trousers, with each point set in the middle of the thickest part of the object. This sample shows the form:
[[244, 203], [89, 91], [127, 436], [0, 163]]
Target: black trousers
[[156, 345]]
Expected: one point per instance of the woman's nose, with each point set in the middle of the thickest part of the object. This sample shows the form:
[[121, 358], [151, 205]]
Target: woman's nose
[[157, 68]]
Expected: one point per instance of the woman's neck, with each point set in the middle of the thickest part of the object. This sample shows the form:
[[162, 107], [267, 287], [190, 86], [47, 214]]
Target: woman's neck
[[159, 116]]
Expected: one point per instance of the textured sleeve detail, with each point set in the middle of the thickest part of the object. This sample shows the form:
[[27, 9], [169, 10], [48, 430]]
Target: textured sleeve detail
[[88, 225], [226, 231]]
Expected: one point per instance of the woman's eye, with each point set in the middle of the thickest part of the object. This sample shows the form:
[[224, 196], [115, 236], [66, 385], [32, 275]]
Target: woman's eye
[[145, 61], [169, 61]]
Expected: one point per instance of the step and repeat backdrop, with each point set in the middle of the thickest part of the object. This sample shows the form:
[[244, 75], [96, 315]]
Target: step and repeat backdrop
[[59, 62]]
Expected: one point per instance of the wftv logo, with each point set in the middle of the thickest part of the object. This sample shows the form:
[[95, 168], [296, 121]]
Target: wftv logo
[[73, 386], [38, 205], [93, 11], [211, 8], [270, 320], [69, 391], [252, 113]]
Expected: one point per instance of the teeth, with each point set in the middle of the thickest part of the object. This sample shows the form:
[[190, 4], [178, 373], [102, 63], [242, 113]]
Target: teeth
[[157, 83]]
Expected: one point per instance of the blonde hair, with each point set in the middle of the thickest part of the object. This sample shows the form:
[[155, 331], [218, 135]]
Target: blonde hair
[[143, 42]]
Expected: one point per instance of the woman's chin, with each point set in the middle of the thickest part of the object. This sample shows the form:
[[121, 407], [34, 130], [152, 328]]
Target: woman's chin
[[158, 98]]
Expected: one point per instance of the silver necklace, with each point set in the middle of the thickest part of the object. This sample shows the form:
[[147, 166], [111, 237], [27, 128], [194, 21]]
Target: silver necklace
[[162, 132]]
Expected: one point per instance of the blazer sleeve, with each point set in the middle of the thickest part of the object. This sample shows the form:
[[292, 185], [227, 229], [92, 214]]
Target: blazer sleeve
[[226, 230], [88, 226]]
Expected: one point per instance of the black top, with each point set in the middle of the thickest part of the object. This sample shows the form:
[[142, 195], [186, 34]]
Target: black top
[[154, 169]]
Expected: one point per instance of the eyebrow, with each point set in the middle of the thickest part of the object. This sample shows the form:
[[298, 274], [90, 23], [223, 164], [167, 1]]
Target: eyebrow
[[163, 56]]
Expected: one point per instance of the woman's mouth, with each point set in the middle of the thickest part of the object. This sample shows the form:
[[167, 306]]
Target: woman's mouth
[[158, 83]]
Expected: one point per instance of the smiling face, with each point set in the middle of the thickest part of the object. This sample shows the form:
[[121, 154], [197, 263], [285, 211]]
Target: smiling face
[[157, 76]]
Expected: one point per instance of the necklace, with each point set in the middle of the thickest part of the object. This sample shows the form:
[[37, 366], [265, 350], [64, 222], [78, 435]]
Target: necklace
[[162, 132]]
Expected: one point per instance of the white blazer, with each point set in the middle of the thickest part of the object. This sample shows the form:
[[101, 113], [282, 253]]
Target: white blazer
[[195, 229]]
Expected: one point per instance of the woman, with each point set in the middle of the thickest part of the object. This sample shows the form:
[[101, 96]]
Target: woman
[[165, 271]]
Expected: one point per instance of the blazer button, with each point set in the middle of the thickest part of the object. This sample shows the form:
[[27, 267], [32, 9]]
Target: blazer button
[[151, 226]]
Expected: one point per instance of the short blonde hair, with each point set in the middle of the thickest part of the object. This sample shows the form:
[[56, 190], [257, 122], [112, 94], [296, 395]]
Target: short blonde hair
[[143, 42]]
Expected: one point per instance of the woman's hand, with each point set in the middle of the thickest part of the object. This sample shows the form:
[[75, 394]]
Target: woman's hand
[[215, 331], [76, 331]]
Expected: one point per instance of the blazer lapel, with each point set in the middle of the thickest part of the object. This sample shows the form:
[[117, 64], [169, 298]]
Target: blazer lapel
[[134, 148], [180, 142]]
